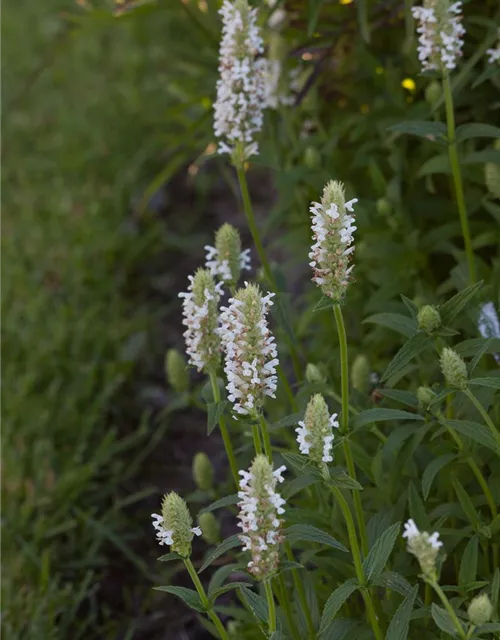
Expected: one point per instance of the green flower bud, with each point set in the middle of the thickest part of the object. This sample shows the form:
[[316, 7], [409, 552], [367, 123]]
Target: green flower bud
[[453, 368], [360, 374], [210, 528], [312, 158], [428, 318], [226, 260], [433, 92], [203, 471], [314, 433], [176, 370], [174, 525], [425, 396], [384, 207], [480, 609], [313, 374]]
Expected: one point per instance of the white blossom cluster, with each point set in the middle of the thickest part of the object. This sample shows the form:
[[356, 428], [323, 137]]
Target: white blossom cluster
[[200, 311], [440, 34], [222, 268], [494, 54], [249, 348], [333, 230], [314, 433], [241, 85], [260, 507], [488, 324], [165, 536], [425, 547]]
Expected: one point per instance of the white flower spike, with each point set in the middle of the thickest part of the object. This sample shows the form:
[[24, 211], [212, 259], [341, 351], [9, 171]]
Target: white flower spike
[[174, 525], [425, 547], [315, 432], [226, 260]]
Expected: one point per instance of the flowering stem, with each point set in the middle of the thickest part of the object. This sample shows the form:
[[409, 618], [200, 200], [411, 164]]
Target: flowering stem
[[223, 429], [252, 225], [266, 439], [205, 601], [484, 414], [457, 176], [271, 608], [299, 587], [344, 426], [257, 442], [358, 566], [449, 609]]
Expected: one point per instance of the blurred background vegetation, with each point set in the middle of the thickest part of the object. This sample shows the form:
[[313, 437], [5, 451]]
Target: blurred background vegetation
[[110, 191]]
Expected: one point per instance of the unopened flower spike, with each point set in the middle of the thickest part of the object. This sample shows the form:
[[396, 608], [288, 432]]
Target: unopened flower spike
[[454, 369], [226, 260], [174, 526], [176, 370], [333, 229], [425, 547], [260, 507], [250, 351], [315, 432], [201, 317], [241, 85], [441, 32]]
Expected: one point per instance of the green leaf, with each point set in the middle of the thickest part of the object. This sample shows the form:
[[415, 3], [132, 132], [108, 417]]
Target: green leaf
[[475, 431], [282, 312], [168, 557], [308, 533], [190, 597], [383, 415], [342, 480], [404, 397], [335, 602], [396, 321], [475, 361], [476, 130], [491, 382], [489, 627], [417, 508], [482, 157], [466, 503], [412, 348], [400, 623], [257, 604], [422, 128], [452, 307], [222, 502], [468, 564], [395, 582], [443, 620], [432, 469], [324, 303], [226, 588], [495, 588], [341, 629], [220, 575], [214, 412], [299, 483], [377, 557], [228, 543], [298, 462], [437, 164], [287, 421], [314, 7], [470, 347]]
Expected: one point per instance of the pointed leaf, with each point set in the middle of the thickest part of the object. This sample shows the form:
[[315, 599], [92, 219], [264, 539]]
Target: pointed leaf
[[404, 397], [257, 604], [222, 502], [377, 558], [297, 484], [476, 130], [229, 543], [342, 480], [412, 348], [475, 431], [468, 564], [220, 575], [396, 321], [341, 629], [396, 582], [214, 412], [383, 415], [324, 303], [226, 588], [308, 533], [493, 383], [452, 307], [475, 361], [417, 508], [431, 471], [442, 619], [469, 348], [190, 597], [466, 503], [422, 128], [335, 602], [168, 557], [400, 623]]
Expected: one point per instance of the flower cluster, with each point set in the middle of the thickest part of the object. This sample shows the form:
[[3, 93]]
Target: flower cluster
[[423, 546], [241, 85], [226, 259], [174, 525], [332, 230], [488, 324], [314, 433], [260, 507], [440, 34], [250, 351], [494, 54], [200, 311]]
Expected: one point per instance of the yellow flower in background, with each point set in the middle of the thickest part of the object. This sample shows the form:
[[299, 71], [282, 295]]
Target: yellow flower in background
[[409, 84]]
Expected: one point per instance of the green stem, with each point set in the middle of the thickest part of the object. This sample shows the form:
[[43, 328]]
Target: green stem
[[271, 607], [257, 442], [457, 177], [224, 432], [344, 427], [299, 587], [449, 609], [486, 417], [285, 603], [205, 601], [266, 439], [358, 566]]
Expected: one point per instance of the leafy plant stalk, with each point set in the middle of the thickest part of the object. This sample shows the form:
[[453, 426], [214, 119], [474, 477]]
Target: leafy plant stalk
[[457, 177], [449, 609], [224, 431], [205, 601], [266, 439], [344, 375], [271, 607]]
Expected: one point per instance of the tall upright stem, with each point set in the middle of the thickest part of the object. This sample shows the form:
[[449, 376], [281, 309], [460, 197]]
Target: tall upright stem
[[457, 177], [344, 428], [224, 432], [205, 601], [456, 622], [271, 607], [266, 438]]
